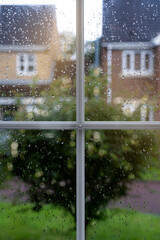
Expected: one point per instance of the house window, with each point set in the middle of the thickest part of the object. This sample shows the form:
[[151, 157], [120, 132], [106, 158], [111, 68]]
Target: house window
[[26, 64], [137, 63]]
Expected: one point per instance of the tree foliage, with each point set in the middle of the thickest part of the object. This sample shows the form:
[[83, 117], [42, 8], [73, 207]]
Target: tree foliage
[[68, 45], [46, 159]]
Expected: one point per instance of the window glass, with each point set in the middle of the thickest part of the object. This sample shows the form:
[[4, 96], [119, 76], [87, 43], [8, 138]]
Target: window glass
[[26, 64], [122, 62], [137, 61], [128, 62], [38, 61], [122, 184], [147, 61], [141, 63], [121, 84], [37, 184]]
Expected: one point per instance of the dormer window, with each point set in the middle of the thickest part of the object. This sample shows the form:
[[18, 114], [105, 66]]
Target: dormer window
[[26, 64], [137, 63]]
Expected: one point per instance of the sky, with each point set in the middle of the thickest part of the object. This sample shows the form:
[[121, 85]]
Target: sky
[[66, 15]]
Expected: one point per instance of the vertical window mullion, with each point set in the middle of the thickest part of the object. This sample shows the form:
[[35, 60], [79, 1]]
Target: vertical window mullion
[[80, 186], [80, 136]]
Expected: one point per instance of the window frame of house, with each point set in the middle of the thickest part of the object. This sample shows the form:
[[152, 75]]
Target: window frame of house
[[146, 112], [80, 125], [26, 64], [132, 71]]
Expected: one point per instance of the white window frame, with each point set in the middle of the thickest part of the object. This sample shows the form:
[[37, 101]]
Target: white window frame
[[80, 125], [147, 109], [142, 71], [26, 64]]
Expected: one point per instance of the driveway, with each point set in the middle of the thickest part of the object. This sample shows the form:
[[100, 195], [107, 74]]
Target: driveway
[[143, 196]]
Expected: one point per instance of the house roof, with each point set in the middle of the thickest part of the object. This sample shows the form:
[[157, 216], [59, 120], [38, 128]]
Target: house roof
[[26, 24], [130, 20]]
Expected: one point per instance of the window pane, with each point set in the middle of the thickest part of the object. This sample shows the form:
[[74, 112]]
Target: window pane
[[122, 185], [122, 60], [128, 62], [30, 58], [38, 61], [22, 58], [31, 68], [137, 61], [147, 61], [37, 184]]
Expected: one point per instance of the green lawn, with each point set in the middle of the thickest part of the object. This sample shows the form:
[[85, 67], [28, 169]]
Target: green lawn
[[152, 174], [152, 171], [124, 224], [19, 223]]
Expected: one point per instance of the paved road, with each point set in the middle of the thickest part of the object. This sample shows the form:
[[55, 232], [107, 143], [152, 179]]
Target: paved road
[[142, 196], [14, 190]]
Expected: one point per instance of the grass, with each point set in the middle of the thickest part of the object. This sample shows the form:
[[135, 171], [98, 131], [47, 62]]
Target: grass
[[19, 223], [152, 174], [123, 224]]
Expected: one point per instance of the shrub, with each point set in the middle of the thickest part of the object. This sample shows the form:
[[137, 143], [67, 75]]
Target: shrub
[[45, 160]]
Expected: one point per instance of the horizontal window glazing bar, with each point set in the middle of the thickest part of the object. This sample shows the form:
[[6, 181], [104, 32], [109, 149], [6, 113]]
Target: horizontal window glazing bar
[[139, 125], [69, 125]]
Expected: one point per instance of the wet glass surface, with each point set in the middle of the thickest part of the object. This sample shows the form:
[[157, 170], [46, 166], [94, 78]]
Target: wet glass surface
[[122, 52], [38, 61], [122, 185], [37, 184]]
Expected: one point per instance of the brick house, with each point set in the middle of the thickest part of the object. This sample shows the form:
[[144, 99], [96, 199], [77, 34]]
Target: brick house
[[130, 54], [29, 48]]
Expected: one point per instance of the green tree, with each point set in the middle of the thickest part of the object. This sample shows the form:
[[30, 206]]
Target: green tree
[[68, 44], [45, 160]]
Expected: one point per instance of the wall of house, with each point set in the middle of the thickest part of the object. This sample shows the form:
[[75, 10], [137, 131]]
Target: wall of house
[[157, 82], [8, 66], [103, 59], [157, 65]]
